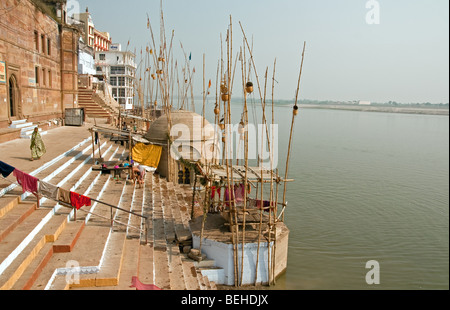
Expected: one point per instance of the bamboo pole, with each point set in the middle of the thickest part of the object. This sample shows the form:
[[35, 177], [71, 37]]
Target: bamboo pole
[[245, 164], [292, 127], [93, 145], [262, 185], [259, 89], [275, 236], [269, 264]]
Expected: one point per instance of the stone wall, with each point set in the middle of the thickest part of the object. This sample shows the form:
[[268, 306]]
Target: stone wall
[[30, 47]]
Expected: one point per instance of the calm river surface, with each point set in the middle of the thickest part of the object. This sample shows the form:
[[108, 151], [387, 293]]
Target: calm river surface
[[368, 186]]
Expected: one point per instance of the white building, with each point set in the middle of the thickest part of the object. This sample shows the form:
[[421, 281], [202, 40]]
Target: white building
[[86, 62], [118, 68]]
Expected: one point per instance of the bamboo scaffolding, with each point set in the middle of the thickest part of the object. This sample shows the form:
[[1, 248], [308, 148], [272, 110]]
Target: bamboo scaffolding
[[258, 177]]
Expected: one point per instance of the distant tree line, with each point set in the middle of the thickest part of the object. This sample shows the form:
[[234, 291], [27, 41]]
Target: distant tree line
[[356, 102]]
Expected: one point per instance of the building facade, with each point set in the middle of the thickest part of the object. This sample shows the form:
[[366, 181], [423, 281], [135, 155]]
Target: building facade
[[102, 41], [98, 40], [38, 61], [118, 68], [86, 61]]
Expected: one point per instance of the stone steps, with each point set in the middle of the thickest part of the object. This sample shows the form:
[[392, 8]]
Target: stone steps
[[15, 216], [108, 258], [44, 226], [167, 218], [95, 232], [92, 107], [26, 128]]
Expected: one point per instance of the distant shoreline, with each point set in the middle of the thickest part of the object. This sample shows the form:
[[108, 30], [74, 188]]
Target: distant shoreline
[[371, 108]]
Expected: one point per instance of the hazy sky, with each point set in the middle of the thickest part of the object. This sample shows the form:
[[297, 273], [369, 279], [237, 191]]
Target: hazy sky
[[403, 58]]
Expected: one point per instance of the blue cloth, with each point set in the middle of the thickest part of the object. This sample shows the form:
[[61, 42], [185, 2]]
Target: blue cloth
[[6, 169]]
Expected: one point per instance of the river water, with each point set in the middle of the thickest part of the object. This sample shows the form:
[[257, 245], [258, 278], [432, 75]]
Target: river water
[[368, 186]]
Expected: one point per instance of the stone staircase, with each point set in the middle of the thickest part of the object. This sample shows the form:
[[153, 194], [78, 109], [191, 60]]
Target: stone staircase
[[95, 106], [39, 248], [26, 128]]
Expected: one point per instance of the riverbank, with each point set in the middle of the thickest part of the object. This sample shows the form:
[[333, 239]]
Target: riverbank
[[372, 108]]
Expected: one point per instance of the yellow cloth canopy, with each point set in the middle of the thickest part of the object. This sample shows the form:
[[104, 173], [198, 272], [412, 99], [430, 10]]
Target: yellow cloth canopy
[[147, 155]]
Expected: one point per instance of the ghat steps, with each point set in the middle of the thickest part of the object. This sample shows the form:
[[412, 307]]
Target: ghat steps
[[38, 247], [26, 128], [94, 105]]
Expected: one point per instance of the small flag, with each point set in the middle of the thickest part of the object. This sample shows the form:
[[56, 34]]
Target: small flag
[[209, 86], [190, 56]]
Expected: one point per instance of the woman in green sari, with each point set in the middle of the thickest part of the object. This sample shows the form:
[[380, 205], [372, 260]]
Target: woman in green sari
[[37, 145]]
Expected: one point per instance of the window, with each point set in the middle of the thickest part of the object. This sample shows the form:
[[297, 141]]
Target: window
[[49, 78], [99, 69], [36, 75], [114, 92], [117, 70], [121, 92], [49, 46], [36, 40], [43, 43], [113, 81], [121, 81], [102, 57], [43, 76]]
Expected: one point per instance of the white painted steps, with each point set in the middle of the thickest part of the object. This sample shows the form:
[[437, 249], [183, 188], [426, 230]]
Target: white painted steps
[[26, 128]]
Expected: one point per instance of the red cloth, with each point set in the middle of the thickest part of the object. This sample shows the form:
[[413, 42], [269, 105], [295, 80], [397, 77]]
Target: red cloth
[[143, 287], [78, 201], [28, 182], [215, 189]]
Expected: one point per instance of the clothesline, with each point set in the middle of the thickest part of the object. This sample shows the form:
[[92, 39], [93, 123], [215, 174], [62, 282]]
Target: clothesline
[[95, 214], [62, 196], [37, 187]]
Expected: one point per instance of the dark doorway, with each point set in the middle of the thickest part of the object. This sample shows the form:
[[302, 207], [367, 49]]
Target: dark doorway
[[13, 96]]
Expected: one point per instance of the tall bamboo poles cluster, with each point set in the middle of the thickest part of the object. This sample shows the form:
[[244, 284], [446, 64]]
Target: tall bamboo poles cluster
[[159, 87], [225, 74], [160, 81]]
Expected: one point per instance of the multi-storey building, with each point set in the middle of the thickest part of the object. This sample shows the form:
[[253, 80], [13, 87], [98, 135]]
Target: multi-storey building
[[38, 61], [98, 40], [118, 68], [102, 41]]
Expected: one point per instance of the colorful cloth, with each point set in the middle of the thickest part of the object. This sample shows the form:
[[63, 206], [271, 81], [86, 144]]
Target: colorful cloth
[[48, 190], [78, 201], [256, 203], [239, 192], [63, 195], [6, 169], [37, 146], [228, 199], [143, 287], [28, 182], [147, 155]]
